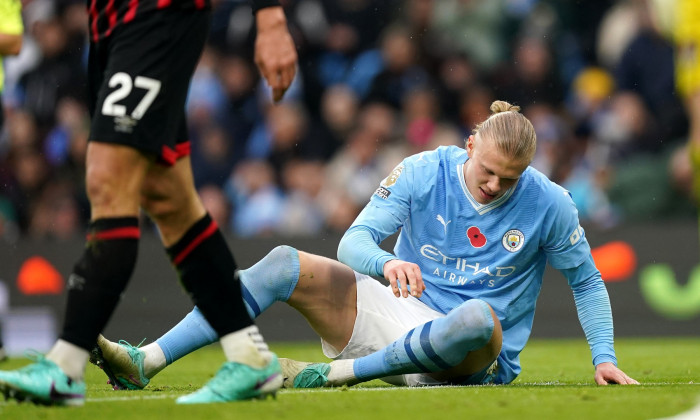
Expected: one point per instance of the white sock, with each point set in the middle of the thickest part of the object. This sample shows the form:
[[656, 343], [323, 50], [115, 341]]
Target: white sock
[[246, 346], [341, 373], [154, 359], [70, 358]]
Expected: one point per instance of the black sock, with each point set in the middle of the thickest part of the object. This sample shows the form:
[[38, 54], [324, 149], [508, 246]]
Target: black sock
[[99, 278], [207, 271]]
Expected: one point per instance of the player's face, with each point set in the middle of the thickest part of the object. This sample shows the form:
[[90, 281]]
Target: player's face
[[488, 173]]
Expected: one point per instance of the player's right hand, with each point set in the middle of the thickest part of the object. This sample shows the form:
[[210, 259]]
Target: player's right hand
[[403, 275], [275, 53]]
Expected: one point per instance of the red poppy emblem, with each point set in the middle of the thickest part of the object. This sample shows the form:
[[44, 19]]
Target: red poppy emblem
[[476, 238]]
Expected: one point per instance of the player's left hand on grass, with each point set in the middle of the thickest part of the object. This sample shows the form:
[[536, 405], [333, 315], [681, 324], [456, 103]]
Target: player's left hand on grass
[[275, 53], [607, 373]]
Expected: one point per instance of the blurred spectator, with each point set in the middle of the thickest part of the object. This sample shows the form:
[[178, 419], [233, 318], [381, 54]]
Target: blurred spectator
[[531, 79], [421, 112], [423, 125], [562, 156], [457, 74], [216, 203], [354, 173], [206, 100], [645, 67], [72, 125], [29, 174], [302, 213], [402, 71], [380, 120], [58, 74], [339, 115], [55, 213], [377, 80], [627, 127], [212, 157], [257, 200], [241, 111], [288, 134], [341, 42], [474, 28], [474, 108]]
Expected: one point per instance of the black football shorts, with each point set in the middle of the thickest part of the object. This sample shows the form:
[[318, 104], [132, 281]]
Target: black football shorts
[[138, 78]]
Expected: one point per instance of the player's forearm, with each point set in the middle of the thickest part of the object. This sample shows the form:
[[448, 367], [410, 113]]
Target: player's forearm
[[359, 249], [595, 315], [594, 312]]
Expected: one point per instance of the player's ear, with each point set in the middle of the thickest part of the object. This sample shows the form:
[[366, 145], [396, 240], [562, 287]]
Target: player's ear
[[470, 146]]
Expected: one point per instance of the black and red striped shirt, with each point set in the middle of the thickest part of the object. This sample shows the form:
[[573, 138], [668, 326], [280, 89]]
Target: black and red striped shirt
[[105, 15]]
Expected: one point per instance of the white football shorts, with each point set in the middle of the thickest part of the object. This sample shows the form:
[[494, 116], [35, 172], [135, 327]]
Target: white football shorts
[[381, 319]]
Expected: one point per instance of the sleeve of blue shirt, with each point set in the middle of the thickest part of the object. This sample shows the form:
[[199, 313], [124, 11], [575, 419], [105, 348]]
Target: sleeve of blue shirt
[[359, 248], [381, 217], [593, 307]]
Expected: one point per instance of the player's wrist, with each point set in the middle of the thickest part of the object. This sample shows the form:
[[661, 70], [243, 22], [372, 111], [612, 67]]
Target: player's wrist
[[604, 358], [270, 18]]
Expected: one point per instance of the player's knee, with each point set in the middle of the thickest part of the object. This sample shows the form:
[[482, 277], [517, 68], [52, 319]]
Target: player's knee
[[107, 195], [475, 322], [98, 185], [281, 254], [279, 270]]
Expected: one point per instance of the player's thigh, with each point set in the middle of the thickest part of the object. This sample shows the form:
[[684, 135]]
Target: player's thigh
[[139, 79], [326, 294]]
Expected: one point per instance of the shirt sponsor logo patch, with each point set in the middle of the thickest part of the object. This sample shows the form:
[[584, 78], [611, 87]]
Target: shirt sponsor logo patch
[[382, 193], [576, 235]]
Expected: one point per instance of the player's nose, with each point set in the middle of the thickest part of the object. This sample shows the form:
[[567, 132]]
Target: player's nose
[[494, 185]]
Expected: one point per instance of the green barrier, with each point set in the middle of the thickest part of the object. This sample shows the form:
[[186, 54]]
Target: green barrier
[[663, 293]]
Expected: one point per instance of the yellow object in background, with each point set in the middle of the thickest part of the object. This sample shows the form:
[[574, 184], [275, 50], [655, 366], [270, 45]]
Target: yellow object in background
[[10, 24], [686, 34]]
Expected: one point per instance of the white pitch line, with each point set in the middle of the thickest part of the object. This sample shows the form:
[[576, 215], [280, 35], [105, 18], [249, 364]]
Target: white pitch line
[[390, 389], [162, 396]]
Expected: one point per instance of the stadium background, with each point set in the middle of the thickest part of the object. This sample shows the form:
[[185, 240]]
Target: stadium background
[[378, 80]]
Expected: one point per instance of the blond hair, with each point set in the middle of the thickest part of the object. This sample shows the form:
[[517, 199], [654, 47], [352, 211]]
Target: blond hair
[[511, 131]]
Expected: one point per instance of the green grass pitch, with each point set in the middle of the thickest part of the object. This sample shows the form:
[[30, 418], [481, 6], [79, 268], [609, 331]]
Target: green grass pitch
[[556, 382]]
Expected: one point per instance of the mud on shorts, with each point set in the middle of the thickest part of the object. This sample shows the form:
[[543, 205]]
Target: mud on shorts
[[138, 79], [381, 319]]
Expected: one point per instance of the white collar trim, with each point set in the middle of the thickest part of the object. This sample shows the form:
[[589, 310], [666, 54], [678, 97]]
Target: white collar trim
[[482, 208]]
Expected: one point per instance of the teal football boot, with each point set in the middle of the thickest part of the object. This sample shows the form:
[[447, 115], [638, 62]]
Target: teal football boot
[[237, 382], [42, 382]]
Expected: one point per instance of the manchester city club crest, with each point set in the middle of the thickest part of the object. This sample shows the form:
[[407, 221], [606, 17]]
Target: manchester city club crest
[[513, 240]]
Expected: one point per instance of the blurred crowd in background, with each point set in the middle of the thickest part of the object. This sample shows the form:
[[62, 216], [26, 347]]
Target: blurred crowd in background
[[377, 81]]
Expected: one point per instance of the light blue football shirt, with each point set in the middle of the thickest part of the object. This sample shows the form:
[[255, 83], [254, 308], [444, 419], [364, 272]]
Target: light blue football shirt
[[495, 252]]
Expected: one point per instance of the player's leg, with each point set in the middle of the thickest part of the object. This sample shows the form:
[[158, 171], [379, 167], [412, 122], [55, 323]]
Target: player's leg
[[456, 348], [323, 290], [114, 176], [206, 268]]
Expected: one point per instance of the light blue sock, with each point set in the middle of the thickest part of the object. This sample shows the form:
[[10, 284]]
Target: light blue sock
[[188, 335], [272, 279], [432, 347]]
